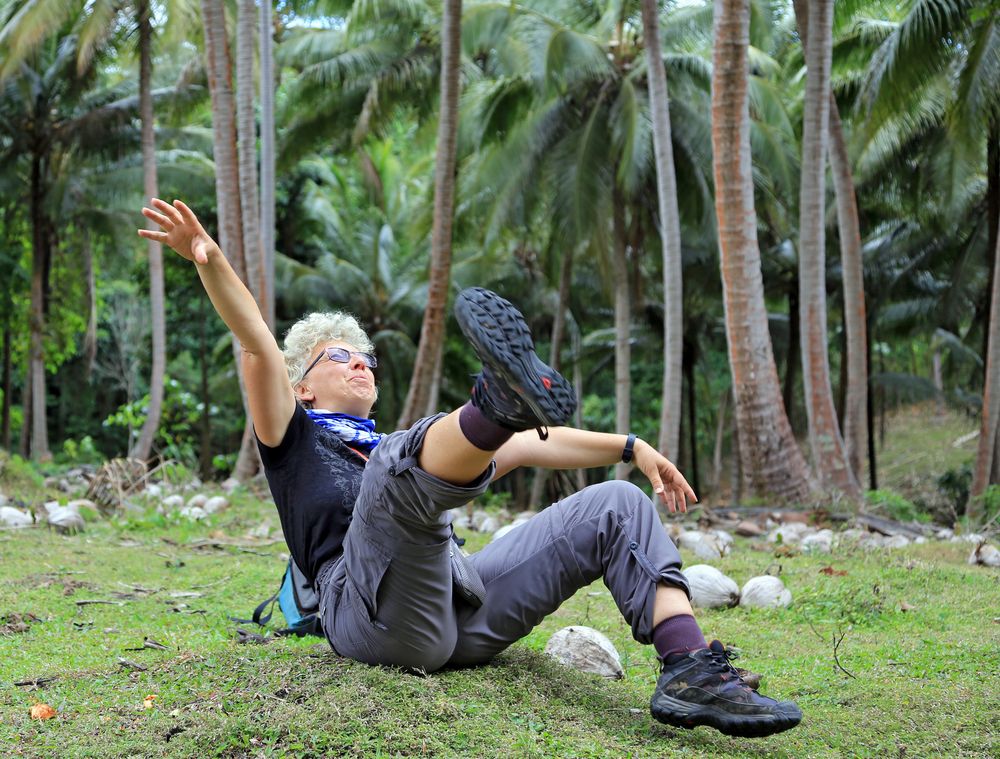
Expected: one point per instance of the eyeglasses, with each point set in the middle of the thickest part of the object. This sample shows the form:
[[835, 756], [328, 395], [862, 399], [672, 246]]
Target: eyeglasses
[[341, 356]]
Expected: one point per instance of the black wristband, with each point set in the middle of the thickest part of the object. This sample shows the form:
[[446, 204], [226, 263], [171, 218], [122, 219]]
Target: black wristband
[[627, 452]]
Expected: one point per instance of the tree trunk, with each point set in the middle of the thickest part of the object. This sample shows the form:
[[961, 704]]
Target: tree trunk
[[670, 233], [246, 130], [205, 452], [623, 312], [829, 452], [720, 434], [432, 328], [435, 392], [6, 381], [770, 458], [90, 338], [689, 362], [872, 460], [793, 356], [267, 151], [855, 322], [992, 225], [227, 184], [990, 424], [541, 477], [144, 444], [39, 442]]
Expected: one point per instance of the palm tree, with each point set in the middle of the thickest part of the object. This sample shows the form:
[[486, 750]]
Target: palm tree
[[93, 23], [432, 328], [986, 467], [829, 453], [670, 232], [228, 188], [267, 149], [771, 460], [50, 113]]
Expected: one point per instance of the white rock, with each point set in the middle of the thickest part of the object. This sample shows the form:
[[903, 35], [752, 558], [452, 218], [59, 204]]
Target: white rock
[[461, 522], [985, 554], [790, 532], [504, 530], [852, 534], [723, 537], [215, 504], [919, 540], [818, 542], [64, 518], [896, 541], [973, 537], [765, 592], [490, 524], [154, 490], [11, 517], [229, 485], [710, 588], [478, 517], [944, 534], [172, 502], [262, 530], [587, 650], [193, 512], [199, 500], [703, 546]]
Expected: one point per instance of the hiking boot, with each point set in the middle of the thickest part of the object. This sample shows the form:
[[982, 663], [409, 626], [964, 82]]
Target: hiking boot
[[703, 688], [515, 389]]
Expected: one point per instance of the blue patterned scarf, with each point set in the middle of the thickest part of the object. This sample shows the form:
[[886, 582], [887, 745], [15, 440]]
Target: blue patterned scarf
[[353, 430]]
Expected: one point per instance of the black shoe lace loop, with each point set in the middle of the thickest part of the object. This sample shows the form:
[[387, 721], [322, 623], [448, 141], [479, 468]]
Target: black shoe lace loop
[[721, 659]]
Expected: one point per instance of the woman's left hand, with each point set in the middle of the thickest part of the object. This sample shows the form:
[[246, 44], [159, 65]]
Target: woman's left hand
[[665, 478]]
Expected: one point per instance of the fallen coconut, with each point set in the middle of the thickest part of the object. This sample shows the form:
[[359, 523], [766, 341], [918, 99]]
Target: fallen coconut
[[172, 502], [193, 512], [14, 518], [819, 542], [587, 650], [198, 500], [765, 592], [215, 504], [710, 588], [985, 554]]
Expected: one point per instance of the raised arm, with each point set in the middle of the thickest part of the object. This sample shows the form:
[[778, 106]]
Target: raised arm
[[269, 391], [571, 448]]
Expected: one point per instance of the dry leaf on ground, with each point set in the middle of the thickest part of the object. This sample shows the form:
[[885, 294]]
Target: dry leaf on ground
[[42, 711]]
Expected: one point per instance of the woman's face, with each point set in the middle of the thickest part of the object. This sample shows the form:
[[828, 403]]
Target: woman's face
[[347, 388]]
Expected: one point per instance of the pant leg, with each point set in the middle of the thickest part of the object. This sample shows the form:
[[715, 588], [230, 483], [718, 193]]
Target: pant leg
[[609, 530], [390, 601]]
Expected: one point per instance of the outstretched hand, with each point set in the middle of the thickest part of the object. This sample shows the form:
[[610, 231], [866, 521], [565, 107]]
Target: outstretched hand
[[180, 229], [667, 481]]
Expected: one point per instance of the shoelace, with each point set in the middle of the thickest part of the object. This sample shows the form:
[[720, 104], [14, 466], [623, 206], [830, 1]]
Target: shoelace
[[719, 661]]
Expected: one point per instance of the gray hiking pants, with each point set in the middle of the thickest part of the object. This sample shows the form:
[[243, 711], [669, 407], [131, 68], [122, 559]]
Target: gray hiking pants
[[388, 599]]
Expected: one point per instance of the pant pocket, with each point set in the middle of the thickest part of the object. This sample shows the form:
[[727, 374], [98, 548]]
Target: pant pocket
[[367, 564]]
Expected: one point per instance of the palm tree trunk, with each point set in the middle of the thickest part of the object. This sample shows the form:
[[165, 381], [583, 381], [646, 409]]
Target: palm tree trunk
[[267, 151], [623, 313], [990, 426], [6, 380], [432, 328], [793, 356], [246, 130], [90, 337], [855, 320], [770, 458], [541, 477], [670, 233], [855, 324], [227, 185], [692, 413], [829, 452], [144, 444], [39, 442]]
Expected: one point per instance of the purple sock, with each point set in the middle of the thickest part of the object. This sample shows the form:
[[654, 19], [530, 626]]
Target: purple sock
[[480, 431], [678, 635]]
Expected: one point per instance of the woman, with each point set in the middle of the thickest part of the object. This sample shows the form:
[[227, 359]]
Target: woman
[[366, 518]]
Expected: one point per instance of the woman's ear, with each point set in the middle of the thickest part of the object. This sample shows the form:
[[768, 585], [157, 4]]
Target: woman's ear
[[304, 394]]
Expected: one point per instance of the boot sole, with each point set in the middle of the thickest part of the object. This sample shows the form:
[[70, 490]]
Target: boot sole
[[501, 339], [676, 713]]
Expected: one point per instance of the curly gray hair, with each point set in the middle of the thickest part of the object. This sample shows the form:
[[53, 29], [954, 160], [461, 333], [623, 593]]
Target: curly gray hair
[[320, 327]]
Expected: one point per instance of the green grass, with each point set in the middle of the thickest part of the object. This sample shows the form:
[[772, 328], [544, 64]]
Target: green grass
[[925, 680]]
